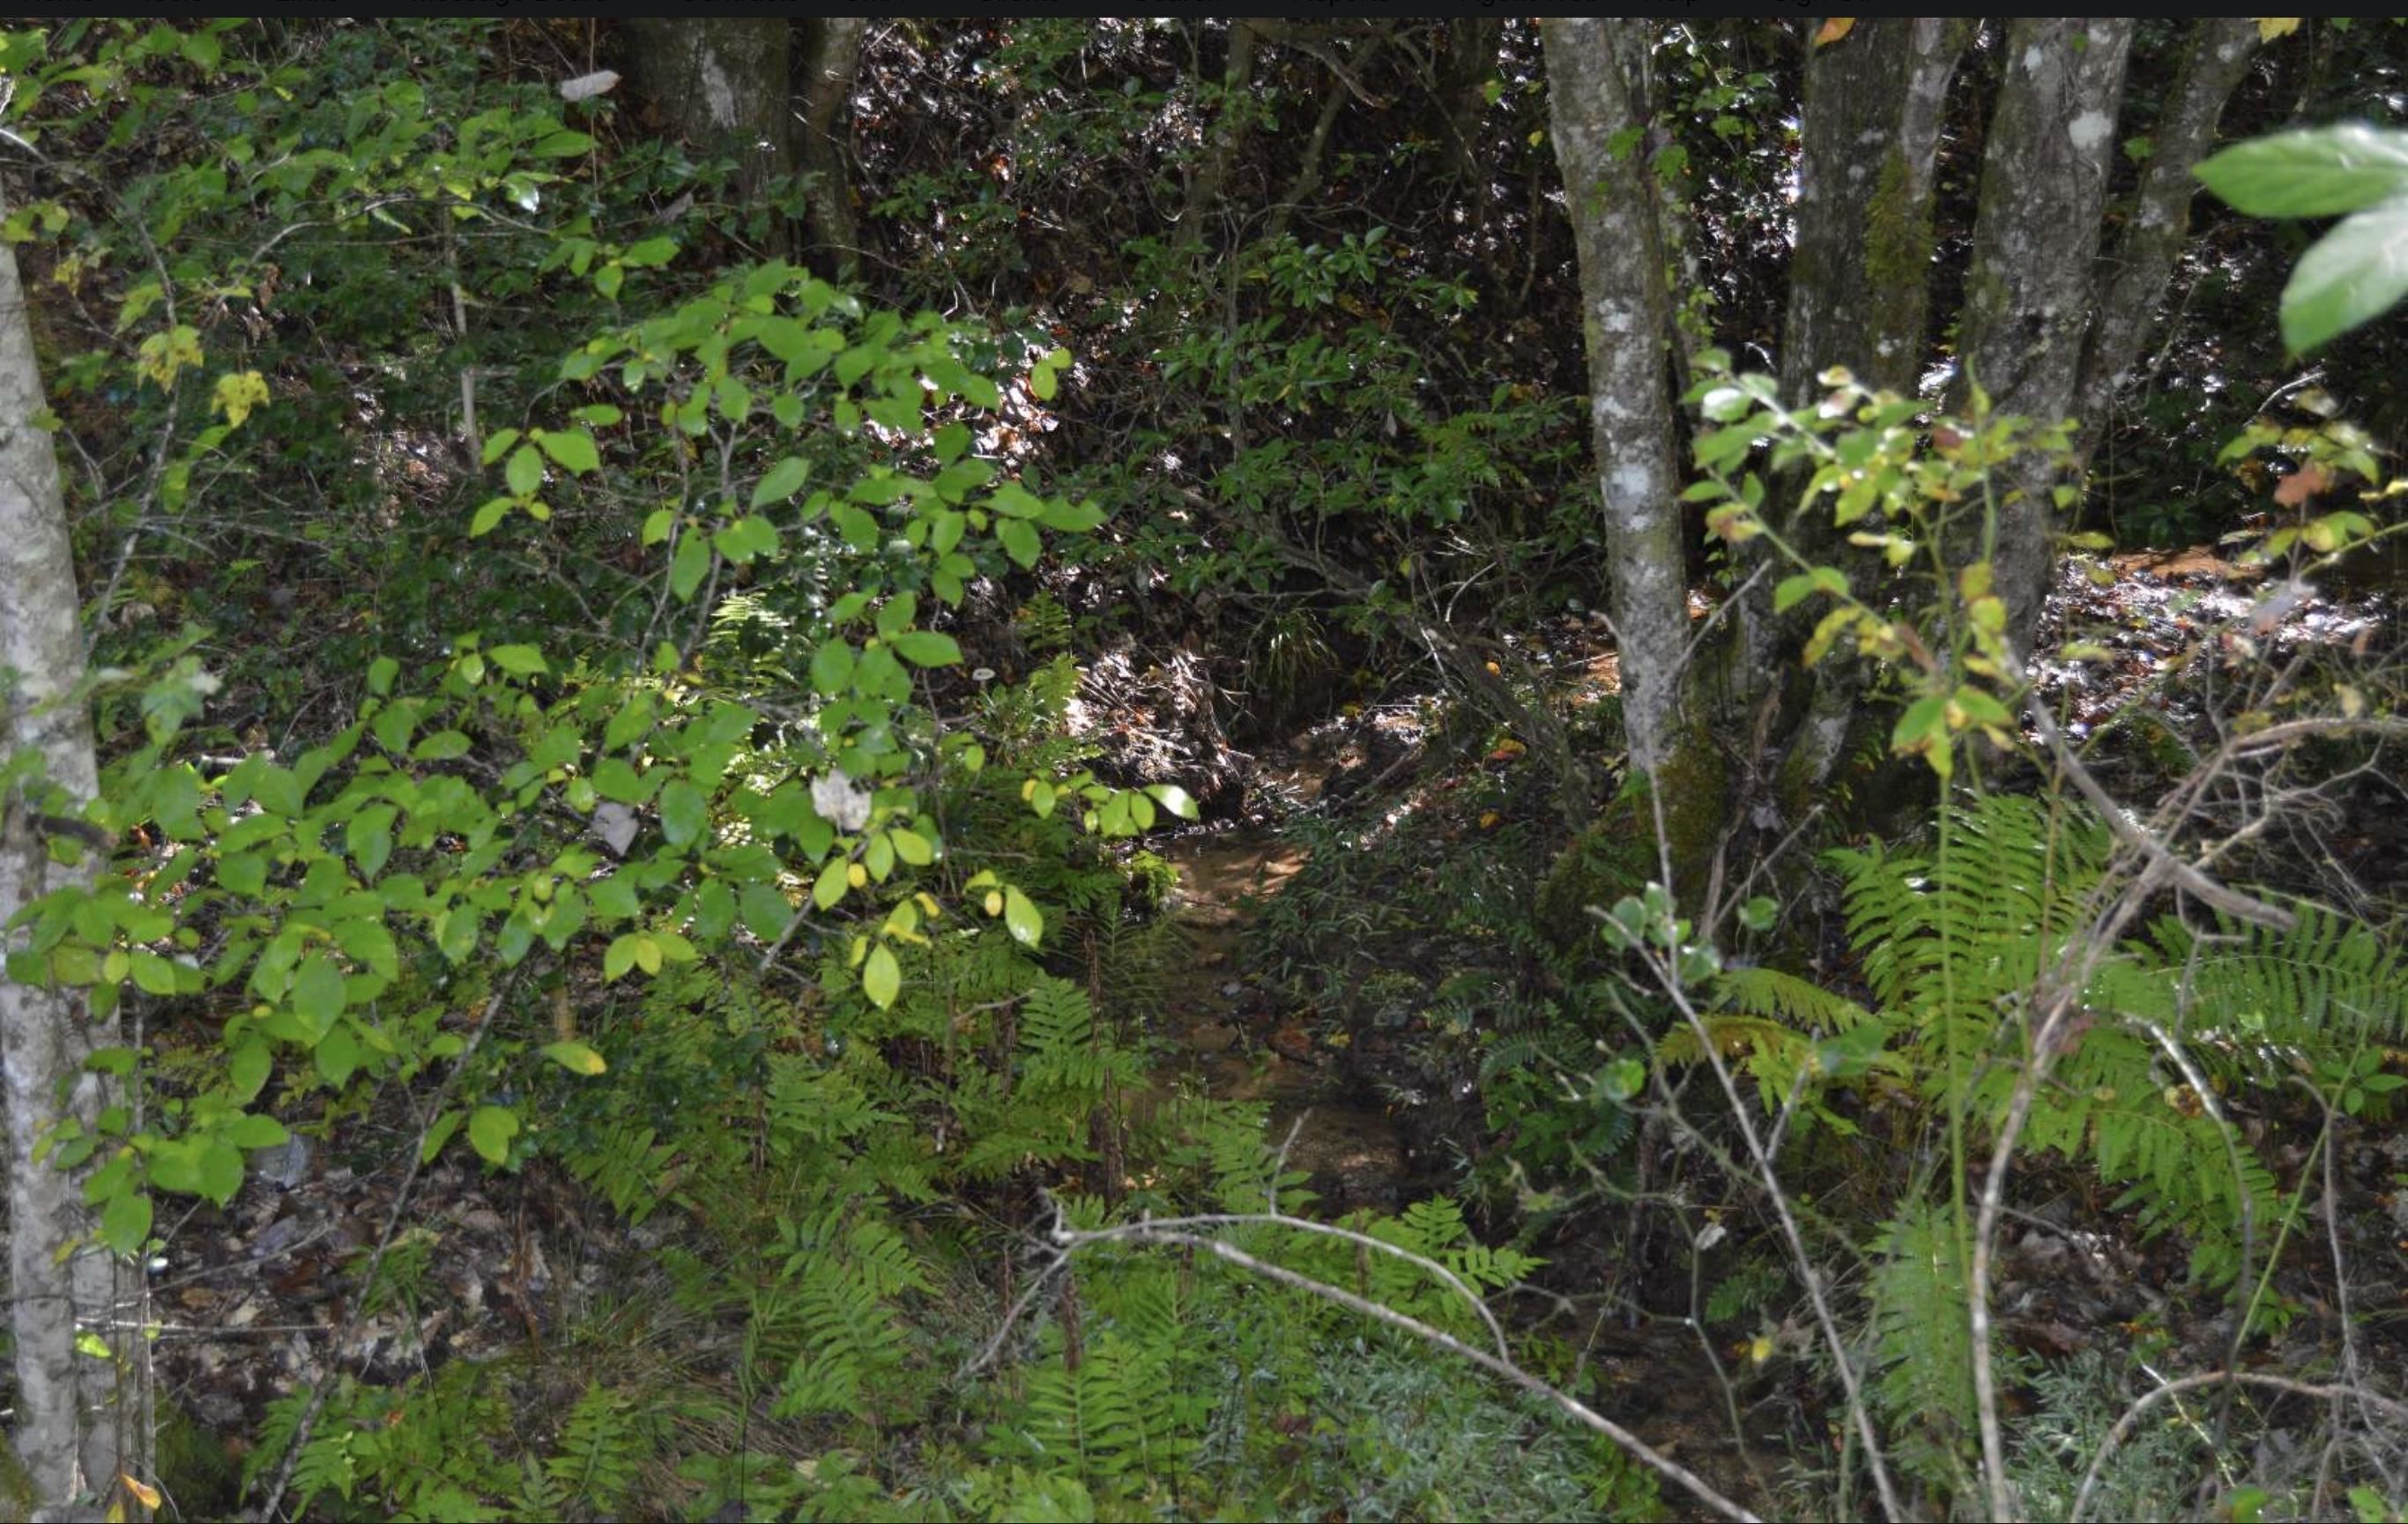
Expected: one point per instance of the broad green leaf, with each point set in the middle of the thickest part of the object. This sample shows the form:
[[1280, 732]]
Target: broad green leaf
[[1020, 541], [2355, 274], [253, 1131], [650, 252], [490, 1131], [1173, 799], [576, 1058], [571, 449], [318, 991], [219, 1170], [519, 660], [488, 516], [912, 847], [620, 956], [1022, 918], [439, 1134], [154, 974], [524, 473], [338, 1055], [685, 811], [927, 648], [688, 567], [2321, 172], [784, 481], [832, 881], [126, 1222], [247, 1070], [881, 977], [765, 912]]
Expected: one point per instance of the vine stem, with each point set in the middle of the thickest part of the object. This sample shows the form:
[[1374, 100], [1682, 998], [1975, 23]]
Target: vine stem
[[320, 1390]]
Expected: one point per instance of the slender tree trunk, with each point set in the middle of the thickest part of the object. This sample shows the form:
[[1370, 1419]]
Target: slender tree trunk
[[2133, 275], [1228, 136], [831, 60], [2027, 302], [1597, 98], [722, 84], [69, 1429], [1469, 59]]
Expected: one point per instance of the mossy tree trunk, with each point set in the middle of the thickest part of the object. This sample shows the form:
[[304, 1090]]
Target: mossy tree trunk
[[1597, 73], [70, 1428], [2027, 301], [723, 85], [1860, 296]]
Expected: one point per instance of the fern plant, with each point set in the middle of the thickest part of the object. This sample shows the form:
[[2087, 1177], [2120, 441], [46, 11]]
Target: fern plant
[[1952, 942]]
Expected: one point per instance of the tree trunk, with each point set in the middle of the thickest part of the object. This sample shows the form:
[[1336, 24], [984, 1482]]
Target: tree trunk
[[2028, 300], [2133, 276], [1860, 296], [1230, 129], [1859, 280], [722, 84], [1596, 99], [68, 1422], [1464, 72], [831, 59]]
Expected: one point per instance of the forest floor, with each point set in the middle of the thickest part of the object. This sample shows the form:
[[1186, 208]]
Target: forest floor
[[256, 1300]]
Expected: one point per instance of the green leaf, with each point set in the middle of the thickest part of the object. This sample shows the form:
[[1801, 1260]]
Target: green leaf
[[488, 516], [338, 1055], [1021, 919], [154, 974], [247, 1070], [685, 811], [620, 956], [927, 648], [784, 481], [2355, 273], [519, 660], [220, 1171], [576, 1058], [524, 473], [686, 570], [1020, 541], [1173, 799], [367, 837], [765, 912], [650, 252], [439, 1134], [912, 847], [318, 991], [881, 978], [490, 1131], [2322, 172], [252, 1131], [381, 673], [126, 1222], [570, 449], [832, 881]]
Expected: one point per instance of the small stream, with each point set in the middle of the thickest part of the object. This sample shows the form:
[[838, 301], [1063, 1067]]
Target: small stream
[[1230, 1037]]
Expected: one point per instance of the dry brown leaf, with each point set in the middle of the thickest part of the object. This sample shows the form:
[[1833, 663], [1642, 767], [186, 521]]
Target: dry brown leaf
[[1839, 26]]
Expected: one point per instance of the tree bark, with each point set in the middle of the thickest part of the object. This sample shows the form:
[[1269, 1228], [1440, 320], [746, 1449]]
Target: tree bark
[[722, 84], [68, 1422], [1859, 279], [1860, 296], [1229, 130], [831, 60], [1596, 92], [2035, 237], [2134, 274]]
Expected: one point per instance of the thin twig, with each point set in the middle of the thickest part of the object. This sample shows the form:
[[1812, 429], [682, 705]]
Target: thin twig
[[2124, 1425]]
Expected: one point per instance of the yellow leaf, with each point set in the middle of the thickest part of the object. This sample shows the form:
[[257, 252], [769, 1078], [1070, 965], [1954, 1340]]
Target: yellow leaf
[[1832, 31], [2270, 27], [1488, 819], [146, 1495], [237, 392], [1759, 1349]]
